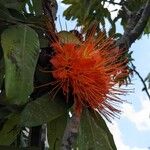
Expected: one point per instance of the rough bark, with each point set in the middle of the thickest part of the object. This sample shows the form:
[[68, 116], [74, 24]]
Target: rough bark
[[71, 133], [136, 23]]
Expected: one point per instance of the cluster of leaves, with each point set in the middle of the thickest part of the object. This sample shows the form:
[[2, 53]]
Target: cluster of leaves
[[23, 48], [90, 11]]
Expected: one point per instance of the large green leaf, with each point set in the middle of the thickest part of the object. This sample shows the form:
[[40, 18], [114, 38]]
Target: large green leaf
[[21, 49], [55, 131], [94, 134], [10, 130], [42, 110]]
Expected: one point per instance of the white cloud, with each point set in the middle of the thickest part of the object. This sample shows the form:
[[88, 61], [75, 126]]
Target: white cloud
[[114, 128], [140, 118]]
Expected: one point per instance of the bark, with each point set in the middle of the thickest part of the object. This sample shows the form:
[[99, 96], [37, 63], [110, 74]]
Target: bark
[[71, 133], [136, 23]]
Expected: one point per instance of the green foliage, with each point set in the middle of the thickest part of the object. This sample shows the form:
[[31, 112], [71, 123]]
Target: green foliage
[[55, 131], [43, 110], [21, 48], [94, 133], [10, 130], [87, 12]]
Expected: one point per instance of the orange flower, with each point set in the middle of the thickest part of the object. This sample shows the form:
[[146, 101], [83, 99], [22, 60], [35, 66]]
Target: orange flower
[[88, 70]]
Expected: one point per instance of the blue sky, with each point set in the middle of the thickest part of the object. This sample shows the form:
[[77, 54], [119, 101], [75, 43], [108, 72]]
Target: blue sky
[[132, 130]]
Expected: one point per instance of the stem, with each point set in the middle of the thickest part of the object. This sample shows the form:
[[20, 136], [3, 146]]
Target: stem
[[70, 133]]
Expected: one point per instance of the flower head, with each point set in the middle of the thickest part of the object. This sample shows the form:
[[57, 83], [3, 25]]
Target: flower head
[[88, 71]]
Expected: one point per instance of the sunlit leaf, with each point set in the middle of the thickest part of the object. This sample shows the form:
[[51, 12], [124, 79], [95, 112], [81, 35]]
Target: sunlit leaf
[[93, 133], [67, 37], [86, 12]]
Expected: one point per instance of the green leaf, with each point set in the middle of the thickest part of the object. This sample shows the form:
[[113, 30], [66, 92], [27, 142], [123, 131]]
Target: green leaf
[[10, 130], [94, 133], [55, 131], [21, 49], [42, 110]]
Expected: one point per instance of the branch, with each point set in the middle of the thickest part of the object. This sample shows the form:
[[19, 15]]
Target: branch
[[50, 9], [136, 23], [70, 133], [142, 80], [136, 32]]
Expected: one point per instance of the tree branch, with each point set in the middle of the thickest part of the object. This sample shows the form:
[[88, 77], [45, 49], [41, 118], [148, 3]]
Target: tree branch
[[135, 25], [70, 133], [142, 80], [50, 9]]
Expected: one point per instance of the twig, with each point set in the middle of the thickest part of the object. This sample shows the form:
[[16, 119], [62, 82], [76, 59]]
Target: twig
[[70, 133], [142, 80]]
